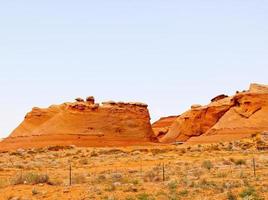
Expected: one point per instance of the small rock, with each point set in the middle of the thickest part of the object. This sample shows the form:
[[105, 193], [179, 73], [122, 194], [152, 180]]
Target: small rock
[[90, 100], [14, 198], [116, 176], [117, 184], [79, 99], [66, 190]]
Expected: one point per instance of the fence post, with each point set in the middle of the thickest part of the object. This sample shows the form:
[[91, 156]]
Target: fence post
[[163, 171], [70, 174], [254, 166], [141, 168]]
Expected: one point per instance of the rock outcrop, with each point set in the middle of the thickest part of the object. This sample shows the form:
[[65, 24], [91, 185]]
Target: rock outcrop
[[161, 127], [83, 123], [196, 121], [225, 118]]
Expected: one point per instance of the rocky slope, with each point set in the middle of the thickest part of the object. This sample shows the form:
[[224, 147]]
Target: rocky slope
[[161, 127], [225, 118], [83, 123]]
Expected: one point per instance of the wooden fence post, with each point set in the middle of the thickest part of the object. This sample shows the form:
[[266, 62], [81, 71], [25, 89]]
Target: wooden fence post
[[163, 171], [70, 174], [254, 166]]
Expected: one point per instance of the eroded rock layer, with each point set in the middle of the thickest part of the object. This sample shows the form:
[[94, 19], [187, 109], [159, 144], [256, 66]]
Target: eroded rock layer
[[161, 127], [196, 121], [83, 123], [225, 118]]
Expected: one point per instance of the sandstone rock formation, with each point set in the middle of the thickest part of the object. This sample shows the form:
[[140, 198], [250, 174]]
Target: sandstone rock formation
[[83, 123], [161, 127], [196, 121], [258, 88], [225, 118]]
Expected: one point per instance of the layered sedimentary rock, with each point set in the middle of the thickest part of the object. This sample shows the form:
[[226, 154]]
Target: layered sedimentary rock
[[83, 123], [225, 118], [161, 127], [247, 116], [196, 121]]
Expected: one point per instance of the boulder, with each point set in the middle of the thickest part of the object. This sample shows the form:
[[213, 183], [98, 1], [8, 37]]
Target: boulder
[[219, 97], [195, 106], [90, 100], [78, 99]]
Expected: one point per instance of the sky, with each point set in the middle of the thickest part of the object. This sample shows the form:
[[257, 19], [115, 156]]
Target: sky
[[169, 54]]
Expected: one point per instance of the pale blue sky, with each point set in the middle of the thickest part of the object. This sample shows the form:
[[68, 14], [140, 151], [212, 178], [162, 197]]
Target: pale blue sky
[[169, 54]]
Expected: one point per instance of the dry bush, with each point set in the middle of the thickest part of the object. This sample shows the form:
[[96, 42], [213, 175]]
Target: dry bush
[[79, 179], [30, 178], [3, 183], [83, 161], [207, 164], [152, 176]]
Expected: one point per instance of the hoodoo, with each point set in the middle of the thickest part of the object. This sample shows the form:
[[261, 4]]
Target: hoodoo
[[83, 123]]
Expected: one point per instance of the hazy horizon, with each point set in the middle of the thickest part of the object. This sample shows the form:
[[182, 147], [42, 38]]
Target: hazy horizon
[[168, 54]]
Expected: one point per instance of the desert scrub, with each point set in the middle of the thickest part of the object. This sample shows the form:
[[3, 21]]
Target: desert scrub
[[250, 193], [152, 176], [221, 175], [3, 183], [110, 188], [83, 161], [184, 193], [205, 184], [207, 164], [172, 185], [79, 179], [30, 178], [238, 161], [145, 196], [231, 196], [34, 191]]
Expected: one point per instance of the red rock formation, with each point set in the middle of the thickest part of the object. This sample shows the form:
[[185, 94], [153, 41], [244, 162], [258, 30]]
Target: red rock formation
[[226, 118], [83, 123], [162, 126], [196, 121], [219, 97], [248, 116]]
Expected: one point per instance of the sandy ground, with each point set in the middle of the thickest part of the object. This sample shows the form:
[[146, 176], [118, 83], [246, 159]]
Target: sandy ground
[[215, 171]]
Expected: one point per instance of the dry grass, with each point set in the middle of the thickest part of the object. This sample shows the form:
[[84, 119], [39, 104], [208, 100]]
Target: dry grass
[[212, 171]]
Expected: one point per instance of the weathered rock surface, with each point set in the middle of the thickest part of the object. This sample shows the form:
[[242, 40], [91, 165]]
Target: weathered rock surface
[[258, 88], [83, 123], [225, 118], [196, 121], [161, 127]]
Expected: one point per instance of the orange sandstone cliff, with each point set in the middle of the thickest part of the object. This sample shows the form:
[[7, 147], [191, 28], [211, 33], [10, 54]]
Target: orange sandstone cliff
[[83, 123], [225, 118], [86, 123], [161, 127]]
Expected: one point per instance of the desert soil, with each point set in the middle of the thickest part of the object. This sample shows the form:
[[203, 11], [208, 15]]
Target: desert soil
[[212, 171]]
